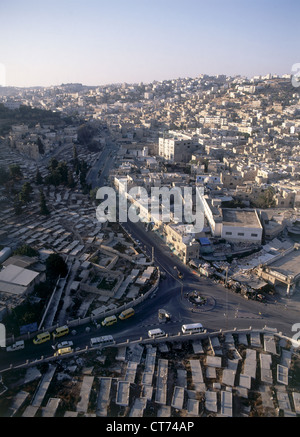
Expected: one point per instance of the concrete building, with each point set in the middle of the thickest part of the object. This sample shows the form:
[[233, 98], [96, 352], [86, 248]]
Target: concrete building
[[182, 243], [282, 271], [17, 280], [241, 225], [177, 147]]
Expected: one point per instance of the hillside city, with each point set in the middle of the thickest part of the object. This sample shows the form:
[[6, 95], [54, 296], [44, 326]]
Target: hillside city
[[236, 142]]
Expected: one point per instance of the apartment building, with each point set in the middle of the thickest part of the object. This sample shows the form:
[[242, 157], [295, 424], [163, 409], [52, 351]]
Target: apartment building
[[177, 147], [182, 243], [285, 198]]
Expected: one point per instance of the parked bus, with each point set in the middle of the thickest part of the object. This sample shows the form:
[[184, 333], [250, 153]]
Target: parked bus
[[192, 328], [126, 314], [59, 332], [105, 340], [109, 321]]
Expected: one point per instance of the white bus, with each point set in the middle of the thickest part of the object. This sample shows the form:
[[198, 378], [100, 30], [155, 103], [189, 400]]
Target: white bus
[[192, 328], [105, 340], [154, 333]]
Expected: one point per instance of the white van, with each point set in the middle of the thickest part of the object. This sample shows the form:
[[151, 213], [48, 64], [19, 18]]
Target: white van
[[192, 328], [155, 333], [16, 346], [105, 340]]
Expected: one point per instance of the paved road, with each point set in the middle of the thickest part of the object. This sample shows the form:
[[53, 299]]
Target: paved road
[[230, 309], [225, 309], [100, 170]]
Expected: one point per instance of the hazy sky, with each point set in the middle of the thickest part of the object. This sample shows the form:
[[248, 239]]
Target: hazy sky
[[97, 42]]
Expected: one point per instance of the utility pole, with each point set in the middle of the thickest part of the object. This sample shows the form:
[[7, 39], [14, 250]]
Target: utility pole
[[153, 254]]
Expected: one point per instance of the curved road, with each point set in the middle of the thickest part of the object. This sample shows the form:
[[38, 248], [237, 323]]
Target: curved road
[[225, 309]]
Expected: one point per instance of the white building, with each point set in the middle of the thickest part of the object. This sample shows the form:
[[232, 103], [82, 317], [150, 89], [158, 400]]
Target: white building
[[177, 147], [241, 225]]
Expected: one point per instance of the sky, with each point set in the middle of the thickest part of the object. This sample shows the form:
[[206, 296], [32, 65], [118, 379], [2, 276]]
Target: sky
[[98, 42]]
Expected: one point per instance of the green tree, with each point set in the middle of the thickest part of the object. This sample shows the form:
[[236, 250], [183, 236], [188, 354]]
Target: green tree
[[75, 154], [62, 168], [93, 193], [17, 206], [206, 164], [85, 133], [53, 164], [4, 176], [40, 146], [75, 161], [266, 199], [15, 172], [56, 266], [43, 206], [42, 290], [26, 251], [25, 193], [83, 173], [38, 177], [71, 182]]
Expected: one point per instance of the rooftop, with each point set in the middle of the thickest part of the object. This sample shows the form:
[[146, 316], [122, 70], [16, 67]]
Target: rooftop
[[288, 264], [240, 217], [17, 275]]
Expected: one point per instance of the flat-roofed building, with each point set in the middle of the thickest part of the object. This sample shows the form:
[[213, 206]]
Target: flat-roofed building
[[241, 225], [283, 270], [17, 280]]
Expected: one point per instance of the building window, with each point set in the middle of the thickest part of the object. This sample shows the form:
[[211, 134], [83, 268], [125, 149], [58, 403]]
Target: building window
[[228, 233], [241, 234], [254, 235]]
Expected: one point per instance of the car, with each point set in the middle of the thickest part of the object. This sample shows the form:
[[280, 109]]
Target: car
[[64, 344]]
